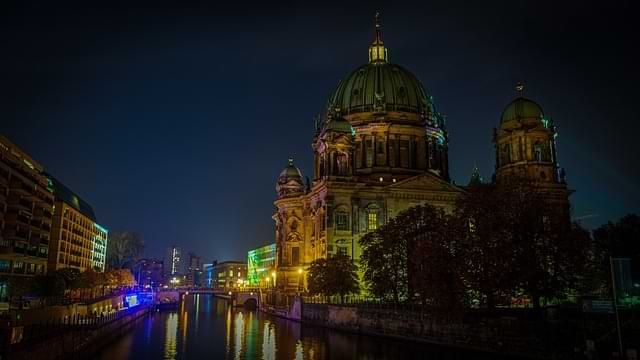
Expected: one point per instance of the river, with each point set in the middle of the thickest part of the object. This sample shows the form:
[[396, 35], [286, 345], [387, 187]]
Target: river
[[205, 327]]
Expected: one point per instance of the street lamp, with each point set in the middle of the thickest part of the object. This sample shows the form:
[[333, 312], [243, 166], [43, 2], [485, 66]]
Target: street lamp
[[273, 275], [300, 280]]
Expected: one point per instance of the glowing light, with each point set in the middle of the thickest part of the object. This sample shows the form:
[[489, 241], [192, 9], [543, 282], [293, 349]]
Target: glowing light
[[300, 271], [381, 179]]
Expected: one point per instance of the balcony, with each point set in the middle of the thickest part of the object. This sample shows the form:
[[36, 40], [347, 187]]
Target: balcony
[[21, 188]]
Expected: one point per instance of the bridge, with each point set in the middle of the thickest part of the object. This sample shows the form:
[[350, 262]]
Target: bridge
[[247, 297]]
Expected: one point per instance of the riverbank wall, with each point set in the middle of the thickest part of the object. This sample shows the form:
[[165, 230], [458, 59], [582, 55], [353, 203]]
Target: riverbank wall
[[508, 333], [77, 342], [500, 335]]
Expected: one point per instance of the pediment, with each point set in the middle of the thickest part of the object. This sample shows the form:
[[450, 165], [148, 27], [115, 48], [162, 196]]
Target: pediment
[[425, 182]]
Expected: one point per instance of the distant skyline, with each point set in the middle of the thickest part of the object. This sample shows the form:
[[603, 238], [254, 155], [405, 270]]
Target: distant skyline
[[175, 120]]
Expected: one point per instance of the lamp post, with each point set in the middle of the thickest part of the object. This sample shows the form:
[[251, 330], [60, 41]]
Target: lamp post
[[300, 281]]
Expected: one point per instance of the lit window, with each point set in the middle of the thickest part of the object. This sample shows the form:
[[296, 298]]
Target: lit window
[[372, 221], [230, 272], [342, 250], [342, 220]]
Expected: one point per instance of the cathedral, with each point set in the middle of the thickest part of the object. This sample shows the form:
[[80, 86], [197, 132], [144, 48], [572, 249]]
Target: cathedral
[[382, 147]]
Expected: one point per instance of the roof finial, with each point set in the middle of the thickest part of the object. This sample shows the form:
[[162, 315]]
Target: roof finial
[[377, 51], [290, 161], [378, 39], [520, 88]]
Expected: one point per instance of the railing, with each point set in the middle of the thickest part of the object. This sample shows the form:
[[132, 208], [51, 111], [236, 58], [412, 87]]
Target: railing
[[35, 333]]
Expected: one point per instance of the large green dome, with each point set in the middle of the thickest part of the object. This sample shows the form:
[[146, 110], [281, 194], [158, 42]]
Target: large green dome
[[522, 109], [380, 86]]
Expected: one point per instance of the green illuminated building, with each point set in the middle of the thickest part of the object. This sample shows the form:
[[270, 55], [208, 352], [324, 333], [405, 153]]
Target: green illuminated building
[[260, 263]]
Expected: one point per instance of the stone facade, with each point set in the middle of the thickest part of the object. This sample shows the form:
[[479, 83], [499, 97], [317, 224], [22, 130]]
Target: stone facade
[[382, 147]]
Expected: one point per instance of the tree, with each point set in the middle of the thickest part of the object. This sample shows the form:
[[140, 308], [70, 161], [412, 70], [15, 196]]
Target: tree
[[48, 285], [385, 261], [548, 249], [619, 239], [124, 249], [120, 278], [486, 244], [336, 275], [434, 260]]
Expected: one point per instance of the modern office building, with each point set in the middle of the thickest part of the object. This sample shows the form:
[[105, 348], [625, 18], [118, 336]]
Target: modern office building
[[26, 212], [77, 240], [207, 270], [261, 262], [149, 272], [229, 275], [193, 273], [173, 261]]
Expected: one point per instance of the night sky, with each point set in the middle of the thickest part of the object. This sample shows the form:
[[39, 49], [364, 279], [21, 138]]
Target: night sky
[[174, 119]]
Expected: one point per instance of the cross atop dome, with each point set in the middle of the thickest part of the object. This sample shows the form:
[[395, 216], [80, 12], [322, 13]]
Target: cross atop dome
[[520, 88]]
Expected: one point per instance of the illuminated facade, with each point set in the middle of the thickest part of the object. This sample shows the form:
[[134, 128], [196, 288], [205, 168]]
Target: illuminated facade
[[525, 144], [229, 275], [261, 262], [26, 212], [77, 240], [173, 261], [381, 147]]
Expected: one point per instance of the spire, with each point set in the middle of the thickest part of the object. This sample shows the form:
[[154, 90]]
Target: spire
[[377, 51], [476, 178], [520, 88], [290, 161], [378, 38]]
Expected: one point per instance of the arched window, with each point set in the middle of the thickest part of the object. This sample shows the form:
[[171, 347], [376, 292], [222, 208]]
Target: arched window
[[342, 164], [369, 153], [537, 151], [342, 220], [505, 154]]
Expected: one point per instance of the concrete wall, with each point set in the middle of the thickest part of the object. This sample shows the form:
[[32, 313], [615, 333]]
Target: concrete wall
[[480, 334]]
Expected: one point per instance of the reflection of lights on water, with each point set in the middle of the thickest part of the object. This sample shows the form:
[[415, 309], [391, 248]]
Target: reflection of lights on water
[[197, 300], [185, 321], [299, 355], [171, 336], [239, 332], [268, 341], [228, 331]]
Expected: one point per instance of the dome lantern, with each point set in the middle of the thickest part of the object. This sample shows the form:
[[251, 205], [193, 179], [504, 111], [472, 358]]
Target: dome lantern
[[377, 51]]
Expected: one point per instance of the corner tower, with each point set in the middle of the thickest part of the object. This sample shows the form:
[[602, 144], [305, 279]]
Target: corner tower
[[525, 143]]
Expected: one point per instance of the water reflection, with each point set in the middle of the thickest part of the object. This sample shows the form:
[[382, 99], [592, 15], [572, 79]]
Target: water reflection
[[206, 327], [268, 341], [171, 337]]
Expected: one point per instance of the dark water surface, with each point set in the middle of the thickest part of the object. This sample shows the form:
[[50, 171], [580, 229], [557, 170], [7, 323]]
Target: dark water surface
[[204, 327]]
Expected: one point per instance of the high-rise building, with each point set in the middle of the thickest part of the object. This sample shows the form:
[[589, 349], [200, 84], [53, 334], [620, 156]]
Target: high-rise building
[[26, 212], [77, 240], [194, 271], [261, 262], [173, 261], [149, 272]]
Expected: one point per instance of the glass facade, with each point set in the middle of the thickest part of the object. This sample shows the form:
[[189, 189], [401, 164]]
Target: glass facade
[[260, 263]]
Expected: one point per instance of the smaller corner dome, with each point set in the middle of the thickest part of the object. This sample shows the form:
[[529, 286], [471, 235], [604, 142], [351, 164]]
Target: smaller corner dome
[[338, 124], [291, 172], [522, 109]]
